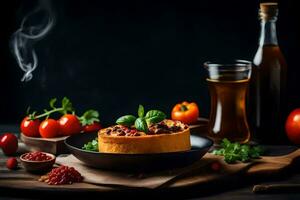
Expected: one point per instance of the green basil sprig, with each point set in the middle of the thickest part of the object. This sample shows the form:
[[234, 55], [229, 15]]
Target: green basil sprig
[[141, 123]]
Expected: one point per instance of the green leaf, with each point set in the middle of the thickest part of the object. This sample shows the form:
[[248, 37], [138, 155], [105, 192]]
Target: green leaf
[[126, 120], [141, 125], [233, 152], [153, 120], [255, 152], [141, 111], [225, 143], [91, 146], [52, 102], [94, 142], [66, 105], [155, 116], [89, 117], [218, 152]]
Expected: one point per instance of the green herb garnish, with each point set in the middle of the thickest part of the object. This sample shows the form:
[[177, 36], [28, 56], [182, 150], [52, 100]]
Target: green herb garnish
[[234, 151], [89, 117], [91, 146], [127, 120], [142, 122]]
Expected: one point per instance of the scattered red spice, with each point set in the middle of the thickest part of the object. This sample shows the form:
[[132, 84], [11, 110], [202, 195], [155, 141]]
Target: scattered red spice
[[11, 163], [62, 175], [37, 156]]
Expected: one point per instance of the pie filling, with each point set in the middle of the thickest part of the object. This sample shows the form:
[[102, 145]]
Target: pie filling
[[166, 126]]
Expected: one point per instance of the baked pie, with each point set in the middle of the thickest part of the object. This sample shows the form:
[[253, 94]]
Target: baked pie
[[164, 136]]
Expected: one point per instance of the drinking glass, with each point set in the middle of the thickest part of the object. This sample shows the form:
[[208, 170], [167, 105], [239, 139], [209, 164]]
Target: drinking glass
[[228, 85]]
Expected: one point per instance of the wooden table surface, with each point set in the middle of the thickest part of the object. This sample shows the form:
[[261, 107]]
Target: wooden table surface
[[239, 189]]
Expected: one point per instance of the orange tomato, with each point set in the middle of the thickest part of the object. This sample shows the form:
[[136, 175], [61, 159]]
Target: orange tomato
[[292, 126], [185, 112]]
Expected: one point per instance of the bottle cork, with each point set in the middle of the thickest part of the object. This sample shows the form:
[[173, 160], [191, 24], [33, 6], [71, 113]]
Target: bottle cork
[[268, 10]]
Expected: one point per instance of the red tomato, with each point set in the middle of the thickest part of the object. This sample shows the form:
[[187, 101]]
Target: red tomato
[[49, 128], [30, 128], [69, 124], [216, 166], [94, 127], [9, 143], [292, 126], [12, 163]]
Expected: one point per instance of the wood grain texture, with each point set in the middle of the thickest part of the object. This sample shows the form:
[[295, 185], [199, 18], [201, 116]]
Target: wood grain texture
[[276, 188], [51, 145], [199, 173]]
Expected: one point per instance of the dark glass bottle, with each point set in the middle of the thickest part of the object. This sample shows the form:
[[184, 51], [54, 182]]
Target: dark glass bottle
[[267, 96]]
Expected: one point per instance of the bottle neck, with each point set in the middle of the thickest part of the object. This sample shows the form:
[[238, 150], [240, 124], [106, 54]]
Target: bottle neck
[[268, 35]]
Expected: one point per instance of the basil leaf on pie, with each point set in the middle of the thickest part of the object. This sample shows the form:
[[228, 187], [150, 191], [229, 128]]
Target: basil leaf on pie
[[141, 111], [126, 120], [155, 116], [141, 125]]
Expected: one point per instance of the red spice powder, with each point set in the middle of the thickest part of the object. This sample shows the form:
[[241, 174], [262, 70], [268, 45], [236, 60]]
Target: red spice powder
[[62, 175], [37, 156]]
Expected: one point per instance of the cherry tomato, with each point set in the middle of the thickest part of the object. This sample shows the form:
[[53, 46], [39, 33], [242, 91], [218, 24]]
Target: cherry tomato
[[12, 163], [49, 128], [30, 128], [9, 143], [292, 126], [185, 112], [216, 166], [69, 124], [94, 127]]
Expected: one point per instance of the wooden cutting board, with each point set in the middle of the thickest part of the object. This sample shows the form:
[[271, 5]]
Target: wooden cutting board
[[198, 174]]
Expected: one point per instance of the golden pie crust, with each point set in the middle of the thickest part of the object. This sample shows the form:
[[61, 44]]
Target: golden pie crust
[[144, 144]]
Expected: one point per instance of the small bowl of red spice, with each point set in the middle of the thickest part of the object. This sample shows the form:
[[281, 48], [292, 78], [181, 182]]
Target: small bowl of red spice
[[37, 161]]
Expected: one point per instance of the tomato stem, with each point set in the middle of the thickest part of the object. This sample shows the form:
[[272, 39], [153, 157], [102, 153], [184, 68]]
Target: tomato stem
[[48, 113], [183, 108]]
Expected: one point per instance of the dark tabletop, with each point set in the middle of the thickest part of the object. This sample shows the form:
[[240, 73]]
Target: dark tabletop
[[239, 189]]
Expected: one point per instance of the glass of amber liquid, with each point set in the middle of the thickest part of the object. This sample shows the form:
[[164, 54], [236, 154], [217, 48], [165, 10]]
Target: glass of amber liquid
[[228, 85]]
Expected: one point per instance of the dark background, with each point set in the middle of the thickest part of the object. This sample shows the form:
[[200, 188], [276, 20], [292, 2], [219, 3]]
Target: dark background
[[113, 55]]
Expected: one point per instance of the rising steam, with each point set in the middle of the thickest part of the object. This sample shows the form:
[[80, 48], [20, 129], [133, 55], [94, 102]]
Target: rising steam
[[33, 28]]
